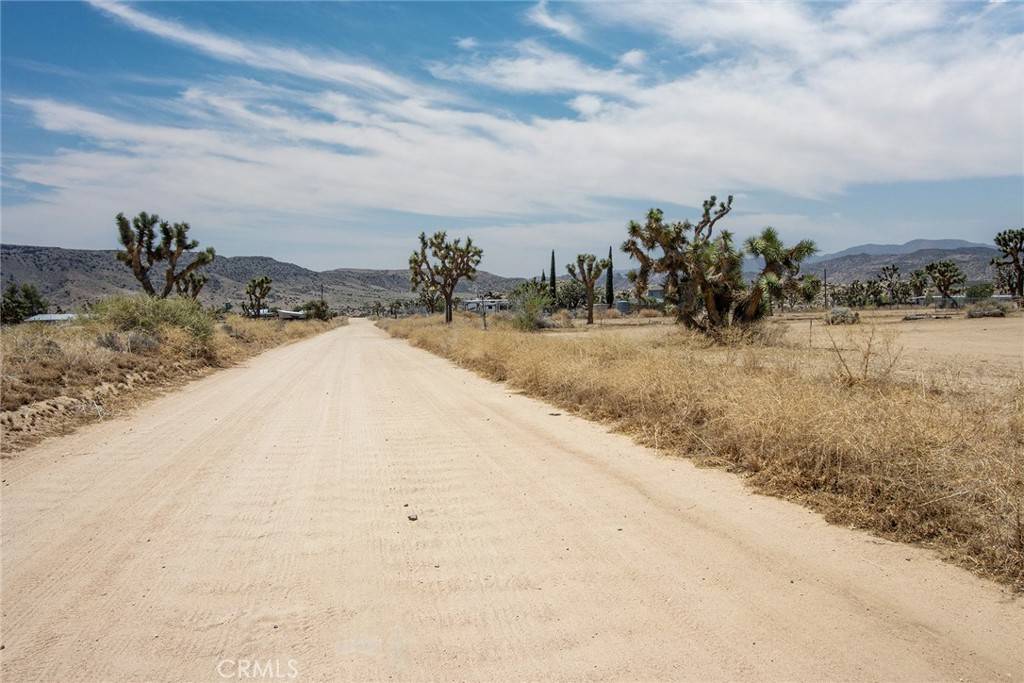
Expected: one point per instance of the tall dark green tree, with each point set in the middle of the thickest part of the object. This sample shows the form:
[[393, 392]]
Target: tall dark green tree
[[552, 289], [609, 289], [20, 303]]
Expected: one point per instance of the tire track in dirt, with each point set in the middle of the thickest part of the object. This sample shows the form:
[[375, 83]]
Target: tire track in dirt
[[260, 513]]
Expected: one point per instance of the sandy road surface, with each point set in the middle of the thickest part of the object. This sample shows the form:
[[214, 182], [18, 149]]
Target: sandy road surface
[[259, 514]]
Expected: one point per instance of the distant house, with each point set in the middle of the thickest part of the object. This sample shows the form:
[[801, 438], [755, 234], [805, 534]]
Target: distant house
[[487, 305], [657, 293], [52, 318]]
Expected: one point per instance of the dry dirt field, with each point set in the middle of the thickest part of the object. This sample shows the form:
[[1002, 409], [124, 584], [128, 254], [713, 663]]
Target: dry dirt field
[[354, 508]]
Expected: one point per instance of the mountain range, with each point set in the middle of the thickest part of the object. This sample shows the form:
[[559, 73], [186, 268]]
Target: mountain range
[[71, 278]]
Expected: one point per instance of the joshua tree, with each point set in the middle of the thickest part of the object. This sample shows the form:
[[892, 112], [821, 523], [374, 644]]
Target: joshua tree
[[918, 282], [190, 285], [257, 291], [874, 292], [431, 299], [889, 278], [1011, 266], [142, 252], [377, 308], [552, 288], [780, 274], [446, 264], [609, 290], [947, 278], [586, 271]]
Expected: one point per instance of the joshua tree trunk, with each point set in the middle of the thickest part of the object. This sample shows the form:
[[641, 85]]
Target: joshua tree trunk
[[590, 306]]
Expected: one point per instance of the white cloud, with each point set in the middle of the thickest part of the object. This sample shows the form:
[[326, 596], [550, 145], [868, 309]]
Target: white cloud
[[633, 59], [562, 24], [941, 102], [467, 43], [588, 105], [536, 69], [287, 60]]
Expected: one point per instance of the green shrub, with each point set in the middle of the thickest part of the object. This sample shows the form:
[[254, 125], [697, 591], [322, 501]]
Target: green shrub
[[128, 313], [529, 309], [317, 309]]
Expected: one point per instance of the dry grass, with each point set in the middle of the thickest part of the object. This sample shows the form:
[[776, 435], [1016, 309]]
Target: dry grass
[[834, 429], [56, 377]]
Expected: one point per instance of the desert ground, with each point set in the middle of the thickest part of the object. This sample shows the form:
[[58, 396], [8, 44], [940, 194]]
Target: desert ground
[[349, 507]]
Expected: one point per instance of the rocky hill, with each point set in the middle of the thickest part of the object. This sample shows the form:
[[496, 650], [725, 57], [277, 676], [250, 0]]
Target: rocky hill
[[70, 278], [974, 261]]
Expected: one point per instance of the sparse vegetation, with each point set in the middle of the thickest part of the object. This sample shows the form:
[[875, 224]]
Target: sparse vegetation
[[988, 309], [841, 315], [914, 462], [56, 376]]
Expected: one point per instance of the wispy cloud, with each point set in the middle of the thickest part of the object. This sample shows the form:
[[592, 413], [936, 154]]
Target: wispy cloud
[[562, 24], [288, 60], [534, 68], [910, 100]]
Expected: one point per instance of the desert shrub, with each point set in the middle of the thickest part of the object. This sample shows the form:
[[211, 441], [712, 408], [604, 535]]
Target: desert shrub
[[529, 306], [611, 314], [648, 313], [840, 315], [562, 318], [110, 339], [127, 313], [317, 309], [988, 309]]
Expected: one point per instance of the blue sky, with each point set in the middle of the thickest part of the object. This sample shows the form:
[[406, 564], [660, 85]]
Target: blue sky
[[330, 134]]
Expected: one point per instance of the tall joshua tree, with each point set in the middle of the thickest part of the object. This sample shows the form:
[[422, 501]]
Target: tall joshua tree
[[440, 263], [918, 282], [947, 278], [609, 290], [257, 291], [586, 271], [1011, 266], [889, 277], [142, 251], [781, 270], [552, 287]]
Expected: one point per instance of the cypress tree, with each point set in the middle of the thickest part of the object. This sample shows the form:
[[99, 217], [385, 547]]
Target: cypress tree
[[551, 275], [609, 290]]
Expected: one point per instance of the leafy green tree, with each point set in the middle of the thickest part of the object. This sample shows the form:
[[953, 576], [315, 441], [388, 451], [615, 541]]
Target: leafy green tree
[[947, 278], [609, 289], [529, 300], [586, 271], [142, 252], [980, 290], [440, 264], [257, 291], [571, 295], [1011, 265], [20, 303]]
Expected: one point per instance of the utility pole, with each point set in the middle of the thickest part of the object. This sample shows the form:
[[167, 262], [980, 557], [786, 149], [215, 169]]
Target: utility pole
[[824, 272]]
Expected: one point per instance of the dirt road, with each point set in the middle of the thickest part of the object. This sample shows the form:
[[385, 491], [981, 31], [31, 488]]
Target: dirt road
[[260, 515]]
